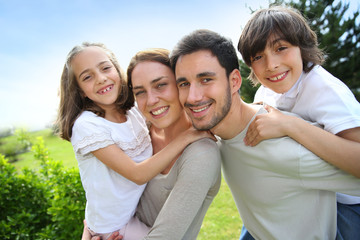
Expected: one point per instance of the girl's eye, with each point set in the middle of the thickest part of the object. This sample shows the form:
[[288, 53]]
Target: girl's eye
[[86, 77]]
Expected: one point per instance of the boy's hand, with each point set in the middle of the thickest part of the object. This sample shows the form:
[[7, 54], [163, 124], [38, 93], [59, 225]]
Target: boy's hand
[[266, 126]]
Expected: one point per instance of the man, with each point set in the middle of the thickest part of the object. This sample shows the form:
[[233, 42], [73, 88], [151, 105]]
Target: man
[[282, 190]]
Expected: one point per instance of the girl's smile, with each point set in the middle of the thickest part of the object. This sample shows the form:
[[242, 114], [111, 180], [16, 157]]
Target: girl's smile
[[97, 76], [106, 89]]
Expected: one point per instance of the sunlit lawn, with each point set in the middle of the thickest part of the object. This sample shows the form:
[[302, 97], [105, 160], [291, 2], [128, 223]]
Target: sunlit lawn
[[222, 220]]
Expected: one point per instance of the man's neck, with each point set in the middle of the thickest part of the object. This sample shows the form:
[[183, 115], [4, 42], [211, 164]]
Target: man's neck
[[236, 120]]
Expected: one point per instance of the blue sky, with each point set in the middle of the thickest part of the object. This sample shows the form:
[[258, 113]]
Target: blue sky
[[37, 35]]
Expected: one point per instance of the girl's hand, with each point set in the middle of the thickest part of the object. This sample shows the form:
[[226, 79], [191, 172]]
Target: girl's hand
[[87, 236], [266, 126], [193, 135]]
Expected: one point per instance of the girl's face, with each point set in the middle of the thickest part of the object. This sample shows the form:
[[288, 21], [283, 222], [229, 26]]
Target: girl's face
[[97, 76], [156, 93], [279, 66]]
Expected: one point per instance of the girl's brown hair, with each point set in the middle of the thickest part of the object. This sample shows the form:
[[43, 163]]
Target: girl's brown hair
[[287, 23], [72, 101]]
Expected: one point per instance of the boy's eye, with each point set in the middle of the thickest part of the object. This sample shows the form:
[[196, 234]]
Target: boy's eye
[[256, 58], [282, 48]]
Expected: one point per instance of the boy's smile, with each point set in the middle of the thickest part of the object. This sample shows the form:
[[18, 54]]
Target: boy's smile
[[279, 66]]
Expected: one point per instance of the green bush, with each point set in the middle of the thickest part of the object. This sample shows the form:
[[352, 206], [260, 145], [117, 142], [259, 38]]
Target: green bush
[[48, 204]]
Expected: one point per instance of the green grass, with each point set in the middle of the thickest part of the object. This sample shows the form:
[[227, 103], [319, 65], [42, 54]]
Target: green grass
[[59, 150], [222, 221]]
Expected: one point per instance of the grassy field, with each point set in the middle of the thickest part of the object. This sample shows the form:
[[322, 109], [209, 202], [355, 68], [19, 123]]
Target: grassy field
[[222, 220]]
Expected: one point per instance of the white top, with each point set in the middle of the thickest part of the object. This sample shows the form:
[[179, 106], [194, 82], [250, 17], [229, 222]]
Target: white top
[[318, 97], [282, 190], [111, 198], [175, 204]]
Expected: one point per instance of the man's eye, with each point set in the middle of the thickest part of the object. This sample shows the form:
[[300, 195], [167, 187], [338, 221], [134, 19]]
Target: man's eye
[[205, 80], [183, 84], [160, 85]]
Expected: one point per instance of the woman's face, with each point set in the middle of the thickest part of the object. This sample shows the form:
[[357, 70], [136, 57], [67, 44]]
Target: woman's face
[[156, 93]]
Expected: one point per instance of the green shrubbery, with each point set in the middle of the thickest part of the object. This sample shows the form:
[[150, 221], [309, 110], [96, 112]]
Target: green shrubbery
[[47, 204]]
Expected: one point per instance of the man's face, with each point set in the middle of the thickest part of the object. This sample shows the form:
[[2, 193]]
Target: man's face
[[204, 88]]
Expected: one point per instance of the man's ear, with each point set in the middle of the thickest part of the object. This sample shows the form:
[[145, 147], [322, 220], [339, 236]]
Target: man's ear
[[235, 80]]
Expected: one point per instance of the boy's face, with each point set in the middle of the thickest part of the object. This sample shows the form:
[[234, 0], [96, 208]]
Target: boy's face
[[204, 88], [279, 66]]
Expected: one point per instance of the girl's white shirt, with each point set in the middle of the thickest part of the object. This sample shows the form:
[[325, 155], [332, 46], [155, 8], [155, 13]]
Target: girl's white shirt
[[111, 198]]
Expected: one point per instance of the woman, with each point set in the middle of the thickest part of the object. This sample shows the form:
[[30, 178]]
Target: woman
[[174, 203]]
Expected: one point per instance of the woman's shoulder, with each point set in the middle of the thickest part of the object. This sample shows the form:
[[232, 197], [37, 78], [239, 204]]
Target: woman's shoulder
[[204, 149]]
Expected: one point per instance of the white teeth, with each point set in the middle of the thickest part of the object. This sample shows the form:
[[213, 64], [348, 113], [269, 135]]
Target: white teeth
[[106, 89], [278, 77], [201, 109], [160, 111]]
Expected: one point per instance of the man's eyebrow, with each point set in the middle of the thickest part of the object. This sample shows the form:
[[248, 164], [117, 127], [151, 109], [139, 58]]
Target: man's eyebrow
[[205, 74], [181, 79]]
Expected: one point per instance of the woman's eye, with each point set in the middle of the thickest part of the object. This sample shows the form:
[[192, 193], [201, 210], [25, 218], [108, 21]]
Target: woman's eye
[[139, 93], [106, 68]]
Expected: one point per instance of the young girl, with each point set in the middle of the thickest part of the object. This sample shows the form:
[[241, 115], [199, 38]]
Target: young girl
[[282, 52], [110, 140]]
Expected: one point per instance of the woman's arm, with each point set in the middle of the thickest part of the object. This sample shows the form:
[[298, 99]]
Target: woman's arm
[[142, 172], [341, 150], [197, 183]]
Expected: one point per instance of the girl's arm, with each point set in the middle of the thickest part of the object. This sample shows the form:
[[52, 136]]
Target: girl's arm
[[142, 172], [341, 150]]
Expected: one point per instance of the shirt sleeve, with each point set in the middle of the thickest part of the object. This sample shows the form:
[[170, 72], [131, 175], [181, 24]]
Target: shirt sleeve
[[197, 184], [330, 103], [89, 135]]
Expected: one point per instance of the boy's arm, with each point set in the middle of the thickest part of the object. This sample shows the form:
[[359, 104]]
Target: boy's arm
[[341, 150]]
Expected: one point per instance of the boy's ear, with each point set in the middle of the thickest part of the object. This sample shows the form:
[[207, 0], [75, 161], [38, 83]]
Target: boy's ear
[[235, 80]]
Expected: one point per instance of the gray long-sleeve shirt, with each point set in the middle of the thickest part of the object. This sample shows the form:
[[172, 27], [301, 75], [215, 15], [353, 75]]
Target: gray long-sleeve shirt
[[175, 204]]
